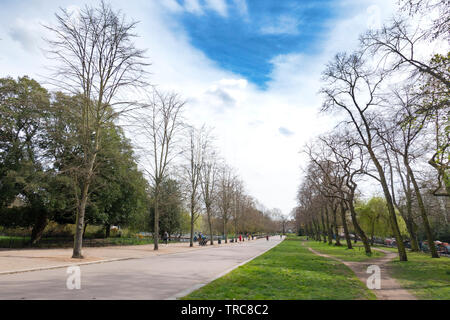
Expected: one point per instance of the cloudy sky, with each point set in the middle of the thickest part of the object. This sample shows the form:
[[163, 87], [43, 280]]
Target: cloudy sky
[[249, 68]]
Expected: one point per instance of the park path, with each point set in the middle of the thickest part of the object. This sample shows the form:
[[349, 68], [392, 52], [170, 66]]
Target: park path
[[162, 276], [390, 288], [34, 259]]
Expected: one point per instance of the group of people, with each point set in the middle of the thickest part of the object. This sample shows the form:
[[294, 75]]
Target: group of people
[[201, 238], [246, 236]]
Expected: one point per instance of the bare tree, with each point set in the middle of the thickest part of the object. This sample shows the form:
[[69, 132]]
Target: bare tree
[[97, 60], [434, 102], [197, 145], [353, 87], [405, 182], [404, 133], [397, 45], [439, 22], [340, 160], [159, 125], [208, 184], [225, 193], [238, 206]]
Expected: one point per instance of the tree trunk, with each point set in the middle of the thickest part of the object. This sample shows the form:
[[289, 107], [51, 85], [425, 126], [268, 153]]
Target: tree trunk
[[225, 235], [210, 225], [316, 231], [410, 225], [84, 229], [156, 227], [107, 230], [330, 232], [344, 225], [336, 228], [423, 211], [411, 229], [309, 229], [81, 210], [323, 227], [39, 227], [358, 229], [410, 221], [394, 224], [191, 240]]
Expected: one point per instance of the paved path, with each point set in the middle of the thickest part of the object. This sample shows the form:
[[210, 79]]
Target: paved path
[[390, 288], [20, 260], [164, 276]]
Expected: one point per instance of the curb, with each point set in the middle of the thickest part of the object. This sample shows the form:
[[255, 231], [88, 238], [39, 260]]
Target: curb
[[198, 286]]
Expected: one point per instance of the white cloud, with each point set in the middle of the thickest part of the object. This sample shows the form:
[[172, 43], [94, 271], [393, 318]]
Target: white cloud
[[285, 131], [74, 11], [23, 33], [282, 25], [220, 6], [241, 6], [248, 126], [172, 5], [193, 6]]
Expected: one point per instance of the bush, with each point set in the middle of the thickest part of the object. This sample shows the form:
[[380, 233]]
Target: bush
[[55, 230]]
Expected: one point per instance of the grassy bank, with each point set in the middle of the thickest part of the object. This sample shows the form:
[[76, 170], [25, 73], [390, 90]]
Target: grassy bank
[[355, 254], [289, 272], [427, 278]]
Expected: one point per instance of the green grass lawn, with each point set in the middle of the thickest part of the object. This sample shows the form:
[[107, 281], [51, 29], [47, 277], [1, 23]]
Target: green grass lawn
[[427, 278], [287, 272], [392, 249], [355, 254]]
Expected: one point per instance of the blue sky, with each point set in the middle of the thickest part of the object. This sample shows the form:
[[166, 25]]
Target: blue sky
[[250, 69], [246, 41]]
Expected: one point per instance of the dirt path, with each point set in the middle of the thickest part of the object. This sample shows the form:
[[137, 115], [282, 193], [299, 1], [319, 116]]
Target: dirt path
[[390, 288]]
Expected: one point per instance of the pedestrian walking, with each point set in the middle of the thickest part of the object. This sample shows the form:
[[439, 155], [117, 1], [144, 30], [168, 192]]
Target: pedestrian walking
[[166, 237]]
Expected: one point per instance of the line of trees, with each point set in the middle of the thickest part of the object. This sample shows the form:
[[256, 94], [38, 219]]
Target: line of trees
[[392, 96], [40, 158], [64, 156]]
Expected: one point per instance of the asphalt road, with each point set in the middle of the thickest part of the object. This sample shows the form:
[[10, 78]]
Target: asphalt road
[[158, 277]]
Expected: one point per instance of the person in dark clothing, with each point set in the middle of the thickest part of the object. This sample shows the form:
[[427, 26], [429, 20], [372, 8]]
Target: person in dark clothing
[[166, 237]]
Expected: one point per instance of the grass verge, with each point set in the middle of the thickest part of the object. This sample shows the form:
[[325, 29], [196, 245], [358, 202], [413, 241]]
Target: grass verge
[[287, 272], [426, 277], [355, 254]]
